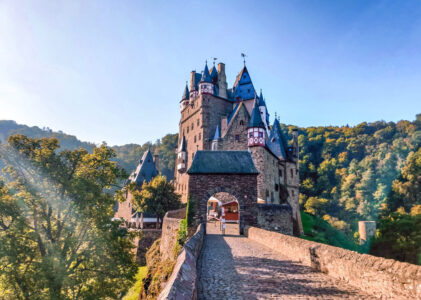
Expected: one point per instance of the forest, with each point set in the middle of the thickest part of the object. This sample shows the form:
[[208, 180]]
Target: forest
[[371, 171]]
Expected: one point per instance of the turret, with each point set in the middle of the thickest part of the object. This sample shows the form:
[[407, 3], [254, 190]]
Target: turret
[[264, 111], [256, 131], [216, 138], [222, 81], [185, 98], [205, 84], [182, 156]]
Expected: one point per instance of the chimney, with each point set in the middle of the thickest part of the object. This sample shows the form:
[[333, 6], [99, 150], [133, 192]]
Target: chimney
[[156, 161], [193, 81], [222, 81]]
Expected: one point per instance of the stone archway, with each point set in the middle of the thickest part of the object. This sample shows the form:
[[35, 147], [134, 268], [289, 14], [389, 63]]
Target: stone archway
[[242, 186]]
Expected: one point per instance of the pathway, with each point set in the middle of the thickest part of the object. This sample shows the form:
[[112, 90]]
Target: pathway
[[234, 267]]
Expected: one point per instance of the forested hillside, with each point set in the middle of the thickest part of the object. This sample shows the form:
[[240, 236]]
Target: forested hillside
[[365, 172]]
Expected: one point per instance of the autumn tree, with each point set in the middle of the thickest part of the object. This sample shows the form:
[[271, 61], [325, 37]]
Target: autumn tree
[[57, 240], [156, 197]]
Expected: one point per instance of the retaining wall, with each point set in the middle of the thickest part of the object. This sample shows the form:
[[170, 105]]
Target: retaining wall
[[183, 280], [386, 278], [170, 227]]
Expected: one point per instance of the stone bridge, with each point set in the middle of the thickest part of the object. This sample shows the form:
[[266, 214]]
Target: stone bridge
[[269, 265]]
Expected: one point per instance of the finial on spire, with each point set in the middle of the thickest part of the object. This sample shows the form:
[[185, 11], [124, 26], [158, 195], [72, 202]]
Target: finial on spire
[[244, 58], [214, 60]]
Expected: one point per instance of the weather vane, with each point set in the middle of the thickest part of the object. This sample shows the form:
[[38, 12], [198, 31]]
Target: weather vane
[[214, 60], [244, 58]]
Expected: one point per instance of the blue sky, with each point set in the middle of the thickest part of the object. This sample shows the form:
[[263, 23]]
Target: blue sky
[[114, 71]]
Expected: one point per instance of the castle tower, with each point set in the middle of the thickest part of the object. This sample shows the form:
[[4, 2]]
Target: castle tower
[[264, 112], [185, 98], [182, 156], [205, 85], [215, 140], [256, 131]]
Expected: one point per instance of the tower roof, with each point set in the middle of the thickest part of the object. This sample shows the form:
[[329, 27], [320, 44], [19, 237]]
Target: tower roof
[[186, 93], [217, 133], [277, 142], [243, 87], [261, 100], [255, 118], [206, 76], [213, 73], [183, 145], [145, 171]]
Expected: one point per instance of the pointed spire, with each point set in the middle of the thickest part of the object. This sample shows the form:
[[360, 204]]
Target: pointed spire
[[277, 142], [255, 118], [214, 73], [261, 100], [183, 145], [206, 76], [186, 93], [217, 134]]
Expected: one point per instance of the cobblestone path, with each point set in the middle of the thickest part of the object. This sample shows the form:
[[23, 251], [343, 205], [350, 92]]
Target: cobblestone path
[[234, 267]]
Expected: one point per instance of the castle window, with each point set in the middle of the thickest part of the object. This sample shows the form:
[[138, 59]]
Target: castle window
[[293, 193], [192, 126], [188, 129], [241, 122], [260, 134], [251, 134], [267, 193], [280, 173], [195, 139], [292, 173], [276, 187], [237, 138], [200, 136], [198, 122], [248, 90]]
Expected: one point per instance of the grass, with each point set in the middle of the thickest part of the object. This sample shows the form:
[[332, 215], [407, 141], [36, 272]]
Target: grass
[[133, 293], [318, 230]]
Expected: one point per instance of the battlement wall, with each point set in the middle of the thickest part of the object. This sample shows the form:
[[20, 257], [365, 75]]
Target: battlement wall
[[378, 276]]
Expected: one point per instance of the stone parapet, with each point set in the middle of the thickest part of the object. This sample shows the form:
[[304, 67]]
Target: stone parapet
[[182, 283], [275, 217], [385, 278]]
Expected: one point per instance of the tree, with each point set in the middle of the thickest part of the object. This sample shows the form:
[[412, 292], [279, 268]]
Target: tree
[[57, 240], [156, 197]]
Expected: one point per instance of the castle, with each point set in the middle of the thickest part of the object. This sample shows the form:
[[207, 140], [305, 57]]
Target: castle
[[217, 118]]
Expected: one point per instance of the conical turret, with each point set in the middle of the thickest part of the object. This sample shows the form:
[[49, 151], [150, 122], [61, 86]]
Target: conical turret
[[256, 128], [206, 86]]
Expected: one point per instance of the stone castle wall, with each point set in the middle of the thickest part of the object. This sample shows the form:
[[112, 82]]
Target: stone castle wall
[[183, 281], [149, 236], [170, 227], [386, 278], [235, 138], [275, 217]]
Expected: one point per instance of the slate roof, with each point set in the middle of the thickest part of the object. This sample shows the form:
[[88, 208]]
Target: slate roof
[[213, 73], [255, 118], [222, 162], [145, 171], [217, 134], [206, 76], [194, 86], [277, 142], [186, 93], [243, 87], [182, 146]]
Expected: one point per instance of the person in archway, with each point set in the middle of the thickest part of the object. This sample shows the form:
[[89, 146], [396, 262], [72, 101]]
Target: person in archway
[[223, 225]]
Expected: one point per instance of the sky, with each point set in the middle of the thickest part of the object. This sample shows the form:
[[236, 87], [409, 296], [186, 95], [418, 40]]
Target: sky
[[115, 71]]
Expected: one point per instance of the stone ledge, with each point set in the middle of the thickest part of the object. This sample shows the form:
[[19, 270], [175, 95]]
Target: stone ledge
[[385, 278], [182, 283]]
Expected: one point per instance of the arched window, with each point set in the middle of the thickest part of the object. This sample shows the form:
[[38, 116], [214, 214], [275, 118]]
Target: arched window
[[241, 122], [292, 173]]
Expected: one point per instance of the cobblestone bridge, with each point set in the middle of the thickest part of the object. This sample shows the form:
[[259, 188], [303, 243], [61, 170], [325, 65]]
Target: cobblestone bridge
[[234, 267]]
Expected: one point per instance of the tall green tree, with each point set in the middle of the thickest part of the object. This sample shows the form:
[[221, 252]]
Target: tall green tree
[[57, 240]]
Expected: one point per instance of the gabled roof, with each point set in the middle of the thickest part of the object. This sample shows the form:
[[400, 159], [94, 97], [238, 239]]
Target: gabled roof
[[183, 145], [255, 118], [277, 142], [243, 87], [222, 162], [186, 93], [145, 171], [217, 133], [206, 76]]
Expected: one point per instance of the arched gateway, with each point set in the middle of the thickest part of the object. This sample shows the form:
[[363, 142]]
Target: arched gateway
[[232, 172]]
